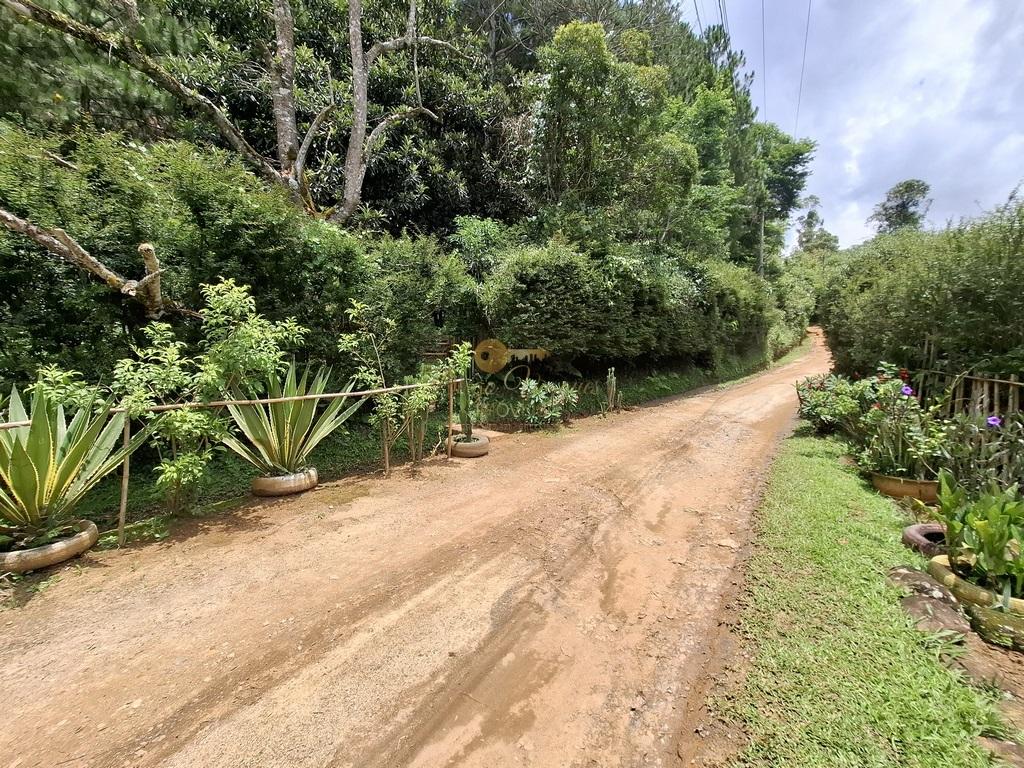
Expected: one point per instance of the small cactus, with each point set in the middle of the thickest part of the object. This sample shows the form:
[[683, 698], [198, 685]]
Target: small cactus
[[612, 390]]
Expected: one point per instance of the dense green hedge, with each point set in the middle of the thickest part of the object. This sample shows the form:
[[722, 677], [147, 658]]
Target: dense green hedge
[[207, 216], [209, 219], [960, 287], [628, 306]]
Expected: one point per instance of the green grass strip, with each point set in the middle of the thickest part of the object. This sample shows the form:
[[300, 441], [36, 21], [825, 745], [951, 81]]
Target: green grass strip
[[839, 677]]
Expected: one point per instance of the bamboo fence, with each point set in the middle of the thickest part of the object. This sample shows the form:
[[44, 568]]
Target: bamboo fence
[[125, 471]]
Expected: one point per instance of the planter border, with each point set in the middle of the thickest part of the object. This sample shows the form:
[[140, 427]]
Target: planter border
[[55, 552], [285, 485], [902, 487], [966, 592]]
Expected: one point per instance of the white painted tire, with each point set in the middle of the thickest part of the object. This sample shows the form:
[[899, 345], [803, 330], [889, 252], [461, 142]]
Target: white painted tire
[[50, 554], [285, 485]]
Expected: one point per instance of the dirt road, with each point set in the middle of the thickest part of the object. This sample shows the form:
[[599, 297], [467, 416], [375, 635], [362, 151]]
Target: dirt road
[[553, 604]]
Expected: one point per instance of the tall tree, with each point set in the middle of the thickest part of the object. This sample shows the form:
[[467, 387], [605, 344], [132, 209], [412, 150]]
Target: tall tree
[[811, 234], [270, 32], [905, 206]]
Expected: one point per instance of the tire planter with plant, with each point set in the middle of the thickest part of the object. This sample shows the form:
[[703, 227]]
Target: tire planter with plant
[[285, 485], [968, 593], [466, 445], [926, 491], [927, 538], [470, 447], [34, 558], [280, 435]]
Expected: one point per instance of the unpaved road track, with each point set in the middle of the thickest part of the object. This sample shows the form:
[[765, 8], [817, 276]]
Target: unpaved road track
[[553, 604]]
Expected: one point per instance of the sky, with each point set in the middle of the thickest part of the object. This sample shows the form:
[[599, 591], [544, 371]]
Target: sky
[[893, 89]]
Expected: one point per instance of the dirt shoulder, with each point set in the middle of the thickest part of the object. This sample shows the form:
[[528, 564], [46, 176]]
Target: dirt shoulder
[[550, 605]]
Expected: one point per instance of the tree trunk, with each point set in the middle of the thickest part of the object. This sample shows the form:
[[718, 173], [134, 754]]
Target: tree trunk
[[282, 77], [362, 145], [355, 163]]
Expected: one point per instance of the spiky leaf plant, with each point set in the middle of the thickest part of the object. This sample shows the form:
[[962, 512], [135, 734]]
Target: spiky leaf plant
[[280, 436], [48, 465]]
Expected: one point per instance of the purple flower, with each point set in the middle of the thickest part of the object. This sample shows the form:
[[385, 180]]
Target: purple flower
[[994, 421], [907, 390]]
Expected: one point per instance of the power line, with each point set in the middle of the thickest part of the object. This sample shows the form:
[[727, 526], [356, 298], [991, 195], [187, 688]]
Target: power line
[[699, 25], [764, 68], [724, 6], [803, 65]]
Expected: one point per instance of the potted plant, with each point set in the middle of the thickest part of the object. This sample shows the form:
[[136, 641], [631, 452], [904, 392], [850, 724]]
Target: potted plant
[[466, 445], [281, 435], [902, 444], [46, 468], [984, 564]]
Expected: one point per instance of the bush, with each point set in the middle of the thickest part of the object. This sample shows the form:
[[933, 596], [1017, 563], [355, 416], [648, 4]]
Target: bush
[[881, 417], [960, 288], [546, 296], [836, 403], [634, 304], [979, 451], [545, 404]]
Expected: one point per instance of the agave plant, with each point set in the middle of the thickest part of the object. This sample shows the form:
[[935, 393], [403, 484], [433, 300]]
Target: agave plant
[[281, 435], [48, 465]]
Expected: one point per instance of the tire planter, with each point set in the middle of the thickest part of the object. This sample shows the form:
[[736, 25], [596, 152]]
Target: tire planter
[[966, 592], [900, 487], [927, 538], [998, 627], [285, 485], [478, 445], [50, 554]]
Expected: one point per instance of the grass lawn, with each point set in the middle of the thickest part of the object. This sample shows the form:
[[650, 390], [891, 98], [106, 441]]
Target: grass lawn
[[838, 676]]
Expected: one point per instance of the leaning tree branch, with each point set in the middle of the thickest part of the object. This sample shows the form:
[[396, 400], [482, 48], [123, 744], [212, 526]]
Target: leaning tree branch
[[129, 51], [401, 43], [409, 40], [58, 242], [396, 117], [307, 141]]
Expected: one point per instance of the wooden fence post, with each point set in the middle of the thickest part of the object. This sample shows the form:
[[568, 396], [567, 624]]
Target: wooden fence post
[[122, 511], [451, 414]]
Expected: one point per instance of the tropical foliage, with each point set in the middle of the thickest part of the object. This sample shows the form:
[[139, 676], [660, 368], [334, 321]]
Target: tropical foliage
[[985, 535]]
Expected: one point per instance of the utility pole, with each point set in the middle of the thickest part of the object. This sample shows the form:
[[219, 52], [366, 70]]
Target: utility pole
[[760, 246]]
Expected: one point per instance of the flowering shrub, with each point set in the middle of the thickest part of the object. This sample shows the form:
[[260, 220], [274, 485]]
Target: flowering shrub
[[900, 437], [879, 414], [979, 451], [836, 403]]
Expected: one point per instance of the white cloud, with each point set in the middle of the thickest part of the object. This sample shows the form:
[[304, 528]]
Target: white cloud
[[928, 89]]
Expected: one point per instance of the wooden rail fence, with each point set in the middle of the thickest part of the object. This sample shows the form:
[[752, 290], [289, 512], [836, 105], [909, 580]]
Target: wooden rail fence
[[975, 393], [122, 511]]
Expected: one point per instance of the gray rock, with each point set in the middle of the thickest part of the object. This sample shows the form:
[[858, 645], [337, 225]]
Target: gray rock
[[1010, 753], [932, 615], [915, 582]]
